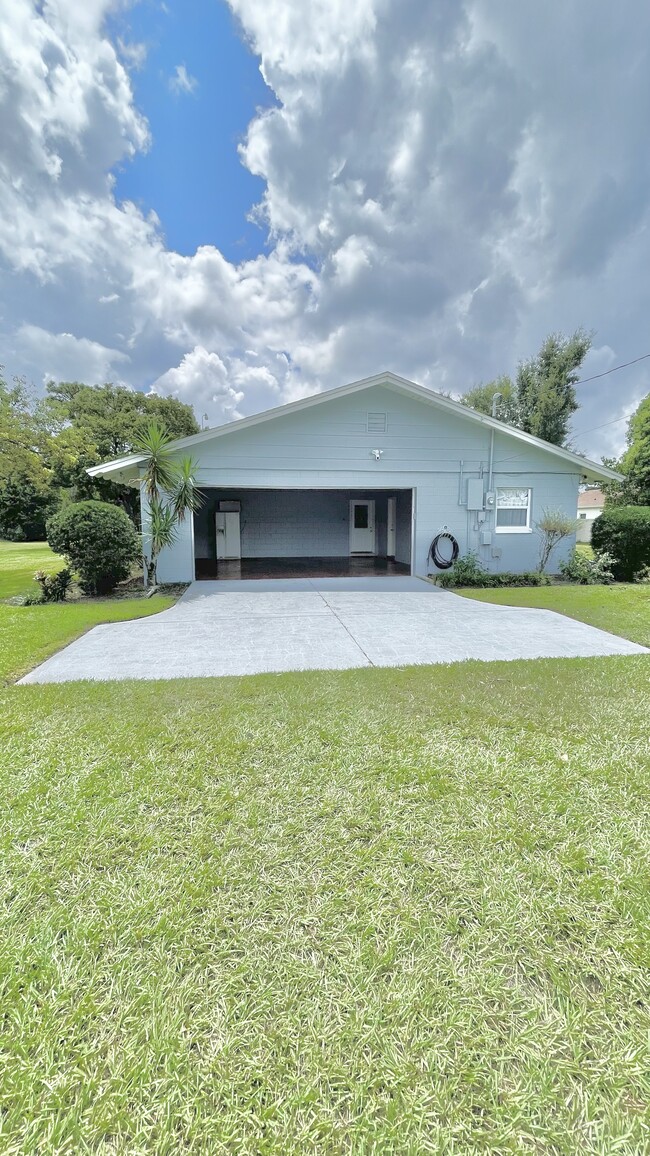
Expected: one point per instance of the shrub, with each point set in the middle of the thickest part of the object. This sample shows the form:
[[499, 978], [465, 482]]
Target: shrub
[[588, 571], [13, 534], [470, 571], [466, 571], [624, 533], [53, 587], [99, 542], [553, 527]]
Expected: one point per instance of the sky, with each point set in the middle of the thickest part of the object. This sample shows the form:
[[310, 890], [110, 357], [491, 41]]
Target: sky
[[241, 203]]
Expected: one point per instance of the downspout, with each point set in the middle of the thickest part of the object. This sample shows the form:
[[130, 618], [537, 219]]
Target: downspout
[[496, 397]]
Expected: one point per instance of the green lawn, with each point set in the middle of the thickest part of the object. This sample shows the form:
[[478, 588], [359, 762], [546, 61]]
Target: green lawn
[[367, 912], [30, 634], [620, 609], [19, 560]]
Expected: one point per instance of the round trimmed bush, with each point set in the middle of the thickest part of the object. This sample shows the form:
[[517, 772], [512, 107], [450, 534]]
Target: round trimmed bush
[[99, 541], [624, 533]]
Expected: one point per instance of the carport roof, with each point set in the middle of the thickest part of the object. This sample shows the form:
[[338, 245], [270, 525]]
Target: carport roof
[[125, 469]]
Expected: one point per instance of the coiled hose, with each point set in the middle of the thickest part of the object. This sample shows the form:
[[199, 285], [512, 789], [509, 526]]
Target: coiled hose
[[439, 560]]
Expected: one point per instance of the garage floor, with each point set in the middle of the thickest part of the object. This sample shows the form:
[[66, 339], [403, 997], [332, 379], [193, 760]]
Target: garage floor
[[248, 627], [347, 567]]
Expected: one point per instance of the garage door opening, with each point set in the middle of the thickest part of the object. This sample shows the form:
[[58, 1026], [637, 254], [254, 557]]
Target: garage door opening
[[247, 533]]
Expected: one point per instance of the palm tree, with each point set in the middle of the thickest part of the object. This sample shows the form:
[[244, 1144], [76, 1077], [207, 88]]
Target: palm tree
[[170, 490]]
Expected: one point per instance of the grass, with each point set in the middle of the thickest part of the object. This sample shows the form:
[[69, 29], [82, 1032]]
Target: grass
[[30, 634], [377, 911], [19, 560], [620, 609]]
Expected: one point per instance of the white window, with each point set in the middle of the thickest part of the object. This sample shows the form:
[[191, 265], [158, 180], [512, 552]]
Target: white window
[[513, 511]]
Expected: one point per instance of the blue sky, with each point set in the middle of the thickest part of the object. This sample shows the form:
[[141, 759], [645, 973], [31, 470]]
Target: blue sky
[[191, 175], [442, 183]]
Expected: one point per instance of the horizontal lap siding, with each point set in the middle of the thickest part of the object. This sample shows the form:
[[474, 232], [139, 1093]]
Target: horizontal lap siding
[[332, 438]]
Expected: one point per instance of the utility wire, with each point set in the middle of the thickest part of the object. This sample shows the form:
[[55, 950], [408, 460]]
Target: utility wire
[[596, 376], [613, 369], [614, 420]]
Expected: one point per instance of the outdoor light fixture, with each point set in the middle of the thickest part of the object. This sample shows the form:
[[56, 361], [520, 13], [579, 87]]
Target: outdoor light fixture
[[376, 454]]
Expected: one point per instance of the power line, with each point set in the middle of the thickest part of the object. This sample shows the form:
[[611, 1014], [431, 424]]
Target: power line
[[613, 369], [579, 433]]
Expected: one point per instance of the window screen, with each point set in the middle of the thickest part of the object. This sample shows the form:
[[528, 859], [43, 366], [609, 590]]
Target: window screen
[[513, 510]]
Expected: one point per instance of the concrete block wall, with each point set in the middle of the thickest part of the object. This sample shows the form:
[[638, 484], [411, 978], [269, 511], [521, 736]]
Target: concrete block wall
[[299, 523]]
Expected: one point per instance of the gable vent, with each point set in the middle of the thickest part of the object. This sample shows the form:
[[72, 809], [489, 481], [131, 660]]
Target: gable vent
[[376, 423]]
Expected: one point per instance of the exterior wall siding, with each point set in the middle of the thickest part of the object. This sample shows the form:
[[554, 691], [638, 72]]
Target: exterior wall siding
[[424, 448], [403, 527], [175, 564]]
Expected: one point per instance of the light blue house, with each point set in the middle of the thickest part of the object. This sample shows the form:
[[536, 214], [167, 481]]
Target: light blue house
[[362, 479]]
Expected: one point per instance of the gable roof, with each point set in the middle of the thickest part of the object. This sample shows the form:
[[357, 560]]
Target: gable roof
[[593, 471]]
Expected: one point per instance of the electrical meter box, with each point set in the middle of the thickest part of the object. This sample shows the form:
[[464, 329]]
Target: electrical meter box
[[475, 494]]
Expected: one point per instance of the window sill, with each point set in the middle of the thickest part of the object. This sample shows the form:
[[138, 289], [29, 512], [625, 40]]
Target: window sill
[[512, 530]]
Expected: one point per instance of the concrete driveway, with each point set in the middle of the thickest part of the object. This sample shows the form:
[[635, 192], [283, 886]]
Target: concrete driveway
[[247, 627]]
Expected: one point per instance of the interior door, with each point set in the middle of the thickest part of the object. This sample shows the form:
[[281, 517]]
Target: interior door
[[362, 526], [391, 528], [228, 535]]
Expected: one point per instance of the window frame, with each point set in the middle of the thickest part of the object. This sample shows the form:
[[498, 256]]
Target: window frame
[[527, 529]]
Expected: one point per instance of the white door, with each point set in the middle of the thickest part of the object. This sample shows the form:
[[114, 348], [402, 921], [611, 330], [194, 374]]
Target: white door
[[362, 526], [228, 535], [391, 528]]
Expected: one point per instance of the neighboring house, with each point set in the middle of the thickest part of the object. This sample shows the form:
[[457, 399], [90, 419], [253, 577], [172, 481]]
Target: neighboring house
[[591, 503], [361, 479]]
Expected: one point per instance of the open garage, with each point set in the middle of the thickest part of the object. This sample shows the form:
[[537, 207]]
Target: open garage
[[272, 533]]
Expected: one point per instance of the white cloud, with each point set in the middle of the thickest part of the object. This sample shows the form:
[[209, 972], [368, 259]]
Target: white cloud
[[290, 44], [134, 53], [65, 357], [182, 82], [199, 374], [444, 184]]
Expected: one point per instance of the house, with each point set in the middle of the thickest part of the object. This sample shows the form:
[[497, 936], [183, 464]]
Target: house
[[591, 503], [362, 479]]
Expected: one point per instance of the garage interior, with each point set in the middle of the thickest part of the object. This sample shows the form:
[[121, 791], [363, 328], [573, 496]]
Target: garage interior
[[280, 533]]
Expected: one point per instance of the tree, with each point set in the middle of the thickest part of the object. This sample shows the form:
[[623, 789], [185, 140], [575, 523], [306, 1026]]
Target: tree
[[90, 424], [482, 396], [635, 462], [27, 491], [542, 399], [546, 396], [170, 492]]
